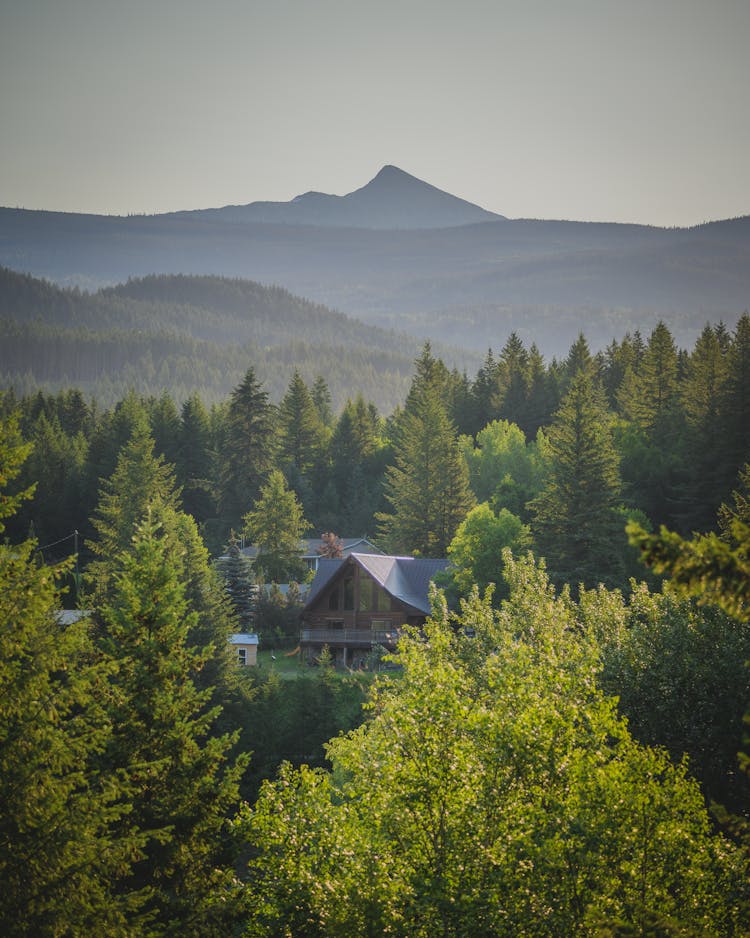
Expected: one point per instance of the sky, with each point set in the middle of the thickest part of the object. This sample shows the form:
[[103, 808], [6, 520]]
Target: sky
[[599, 110]]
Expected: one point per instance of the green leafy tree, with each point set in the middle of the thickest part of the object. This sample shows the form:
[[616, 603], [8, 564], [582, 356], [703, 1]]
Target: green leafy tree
[[493, 792], [576, 525], [180, 783], [503, 468], [476, 550], [427, 488], [276, 526]]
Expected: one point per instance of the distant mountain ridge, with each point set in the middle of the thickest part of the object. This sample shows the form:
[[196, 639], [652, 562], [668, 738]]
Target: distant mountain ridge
[[393, 199], [467, 284]]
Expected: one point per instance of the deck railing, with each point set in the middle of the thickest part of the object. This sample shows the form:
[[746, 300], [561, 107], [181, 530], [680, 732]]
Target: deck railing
[[349, 636]]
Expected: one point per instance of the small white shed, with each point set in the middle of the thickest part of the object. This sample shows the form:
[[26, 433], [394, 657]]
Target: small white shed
[[246, 646]]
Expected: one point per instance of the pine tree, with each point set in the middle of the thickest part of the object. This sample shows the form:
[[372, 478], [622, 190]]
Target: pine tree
[[514, 380], [702, 392], [237, 575], [180, 784], [247, 453], [735, 404], [56, 853], [427, 487], [194, 462], [275, 526], [144, 483], [575, 521]]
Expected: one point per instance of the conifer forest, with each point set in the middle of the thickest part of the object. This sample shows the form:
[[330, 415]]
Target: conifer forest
[[561, 750]]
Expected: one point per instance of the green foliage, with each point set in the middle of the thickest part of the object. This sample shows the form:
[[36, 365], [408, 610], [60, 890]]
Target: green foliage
[[275, 526], [494, 791], [680, 673], [56, 850], [503, 468], [247, 449], [428, 486], [576, 525], [236, 572], [179, 784], [714, 569], [476, 550]]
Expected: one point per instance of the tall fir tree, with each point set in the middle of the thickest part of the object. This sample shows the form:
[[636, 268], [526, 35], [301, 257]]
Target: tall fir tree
[[427, 487], [180, 784], [276, 526], [705, 444], [237, 575], [57, 855], [735, 404], [247, 450], [576, 526]]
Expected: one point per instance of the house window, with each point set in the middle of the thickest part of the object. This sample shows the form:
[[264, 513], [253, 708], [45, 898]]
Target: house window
[[349, 594], [242, 656], [333, 599], [365, 594], [381, 600]]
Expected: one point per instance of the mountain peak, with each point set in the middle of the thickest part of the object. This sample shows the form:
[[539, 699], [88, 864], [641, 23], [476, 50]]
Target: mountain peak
[[392, 199]]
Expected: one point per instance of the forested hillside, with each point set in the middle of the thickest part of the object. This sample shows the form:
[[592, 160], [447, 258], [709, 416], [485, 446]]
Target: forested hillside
[[190, 335], [555, 753]]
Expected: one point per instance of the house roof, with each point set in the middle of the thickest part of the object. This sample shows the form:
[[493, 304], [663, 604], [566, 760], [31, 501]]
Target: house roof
[[405, 578], [243, 638], [309, 547]]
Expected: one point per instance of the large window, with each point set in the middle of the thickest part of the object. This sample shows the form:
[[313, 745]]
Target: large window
[[349, 593], [365, 594], [333, 599]]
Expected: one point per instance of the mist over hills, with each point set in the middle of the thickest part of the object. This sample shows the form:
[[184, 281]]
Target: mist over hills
[[190, 334], [467, 282]]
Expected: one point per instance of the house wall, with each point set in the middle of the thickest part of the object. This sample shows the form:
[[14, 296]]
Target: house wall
[[251, 654], [350, 616]]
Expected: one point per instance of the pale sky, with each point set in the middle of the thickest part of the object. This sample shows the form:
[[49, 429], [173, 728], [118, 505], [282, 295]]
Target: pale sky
[[603, 110]]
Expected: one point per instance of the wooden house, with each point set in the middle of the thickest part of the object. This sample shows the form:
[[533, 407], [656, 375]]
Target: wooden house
[[361, 601]]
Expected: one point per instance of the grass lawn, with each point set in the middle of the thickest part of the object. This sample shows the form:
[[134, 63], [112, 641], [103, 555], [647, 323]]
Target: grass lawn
[[286, 666]]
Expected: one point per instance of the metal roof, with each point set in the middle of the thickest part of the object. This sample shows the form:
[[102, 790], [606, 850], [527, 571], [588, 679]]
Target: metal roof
[[405, 578]]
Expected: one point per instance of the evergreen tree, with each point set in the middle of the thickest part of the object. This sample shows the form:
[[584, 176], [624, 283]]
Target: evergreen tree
[[276, 526], [357, 465], [301, 431], [321, 396], [514, 380], [650, 396], [486, 394], [144, 483], [236, 572], [248, 448], [180, 784], [194, 461], [735, 404], [56, 852], [427, 487], [653, 463], [575, 519], [702, 392]]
